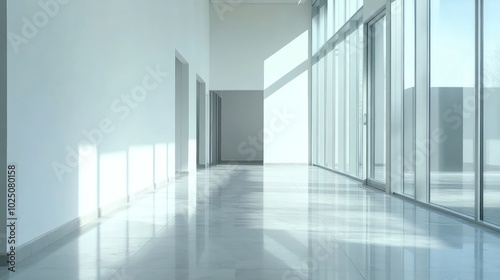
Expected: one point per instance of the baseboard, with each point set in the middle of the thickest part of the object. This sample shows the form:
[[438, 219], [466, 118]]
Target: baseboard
[[41, 242], [52, 236]]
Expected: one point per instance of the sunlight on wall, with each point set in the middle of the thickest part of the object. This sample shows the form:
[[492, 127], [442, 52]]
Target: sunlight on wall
[[161, 167], [171, 161], [87, 179], [112, 177], [140, 168], [286, 124], [286, 109], [119, 174], [286, 59]]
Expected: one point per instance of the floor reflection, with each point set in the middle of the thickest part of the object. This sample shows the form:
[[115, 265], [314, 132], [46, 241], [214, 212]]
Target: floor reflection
[[269, 222]]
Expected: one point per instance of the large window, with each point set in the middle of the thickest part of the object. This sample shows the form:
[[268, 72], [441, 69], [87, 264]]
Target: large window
[[322, 26], [321, 110], [361, 104], [378, 94], [397, 115], [337, 87], [314, 113], [329, 110], [338, 116], [409, 121], [352, 105], [330, 19], [452, 104], [442, 63], [341, 97], [339, 14], [315, 32]]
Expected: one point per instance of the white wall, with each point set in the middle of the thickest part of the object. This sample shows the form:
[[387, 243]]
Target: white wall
[[203, 121], [242, 124], [71, 75], [243, 36], [266, 47]]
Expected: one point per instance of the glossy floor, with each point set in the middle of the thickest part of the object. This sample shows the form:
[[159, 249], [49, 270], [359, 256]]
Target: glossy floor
[[273, 222]]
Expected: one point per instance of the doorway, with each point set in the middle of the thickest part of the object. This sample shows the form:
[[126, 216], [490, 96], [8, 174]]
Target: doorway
[[201, 123], [181, 114], [215, 128]]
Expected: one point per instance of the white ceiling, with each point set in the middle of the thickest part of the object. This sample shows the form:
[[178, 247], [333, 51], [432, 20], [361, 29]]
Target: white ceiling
[[258, 1]]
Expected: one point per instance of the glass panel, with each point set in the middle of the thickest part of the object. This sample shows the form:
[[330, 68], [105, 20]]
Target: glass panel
[[409, 124], [315, 26], [348, 12], [322, 26], [330, 19], [321, 111], [315, 113], [336, 105], [329, 111], [341, 94], [378, 100], [361, 105], [354, 93], [397, 96], [352, 8], [491, 112], [342, 8], [337, 101], [347, 147], [452, 104]]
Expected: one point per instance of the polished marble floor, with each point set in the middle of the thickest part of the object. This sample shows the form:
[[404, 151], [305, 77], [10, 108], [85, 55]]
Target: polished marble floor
[[269, 223]]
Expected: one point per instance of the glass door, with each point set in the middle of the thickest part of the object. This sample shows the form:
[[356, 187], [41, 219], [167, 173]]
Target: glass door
[[491, 115], [377, 125]]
